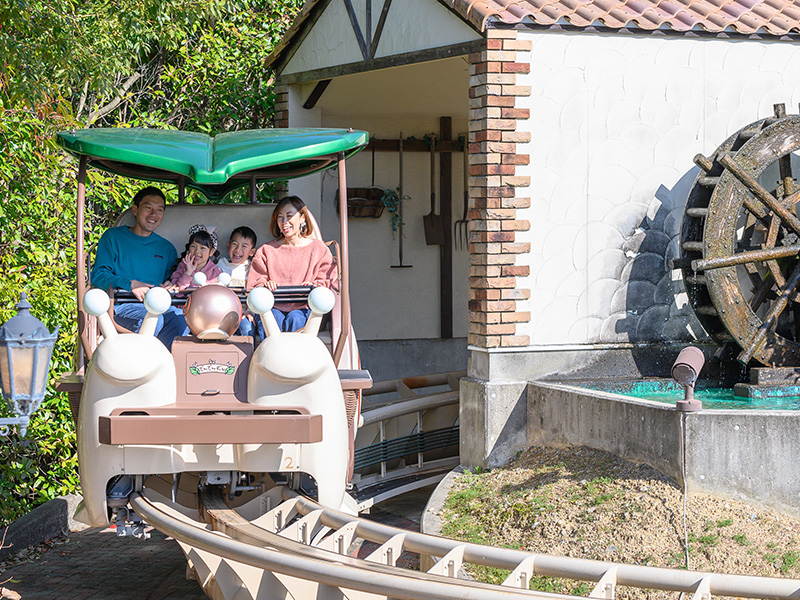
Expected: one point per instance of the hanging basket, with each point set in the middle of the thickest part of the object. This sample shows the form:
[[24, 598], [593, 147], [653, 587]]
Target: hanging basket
[[363, 203]]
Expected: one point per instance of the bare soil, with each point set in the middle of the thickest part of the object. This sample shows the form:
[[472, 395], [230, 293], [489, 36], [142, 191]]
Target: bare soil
[[590, 504]]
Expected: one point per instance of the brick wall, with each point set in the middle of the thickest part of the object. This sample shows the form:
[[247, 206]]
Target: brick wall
[[496, 125], [281, 119], [281, 116]]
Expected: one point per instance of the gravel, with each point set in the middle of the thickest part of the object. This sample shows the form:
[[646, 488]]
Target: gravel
[[591, 504]]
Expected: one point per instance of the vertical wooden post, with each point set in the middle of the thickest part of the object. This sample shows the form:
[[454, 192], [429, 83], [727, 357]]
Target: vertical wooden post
[[446, 249]]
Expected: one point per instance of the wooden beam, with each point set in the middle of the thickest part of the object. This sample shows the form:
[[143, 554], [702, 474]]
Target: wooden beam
[[397, 60], [348, 4], [414, 145], [297, 41], [316, 93], [368, 44], [379, 29], [446, 249]]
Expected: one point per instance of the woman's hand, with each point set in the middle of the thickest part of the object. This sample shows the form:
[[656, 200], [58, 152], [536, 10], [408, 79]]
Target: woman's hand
[[170, 287], [270, 285]]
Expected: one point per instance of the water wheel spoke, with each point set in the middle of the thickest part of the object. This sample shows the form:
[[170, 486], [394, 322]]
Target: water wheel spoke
[[785, 169], [772, 315], [775, 270], [790, 200], [762, 292], [747, 257], [762, 196]]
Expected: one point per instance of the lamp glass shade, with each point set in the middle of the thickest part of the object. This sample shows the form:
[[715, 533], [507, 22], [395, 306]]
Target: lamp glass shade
[[25, 350]]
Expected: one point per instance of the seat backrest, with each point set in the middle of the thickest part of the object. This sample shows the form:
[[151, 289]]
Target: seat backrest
[[225, 217]]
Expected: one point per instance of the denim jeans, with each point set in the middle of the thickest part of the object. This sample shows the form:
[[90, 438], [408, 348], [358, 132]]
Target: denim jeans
[[170, 325], [287, 321]]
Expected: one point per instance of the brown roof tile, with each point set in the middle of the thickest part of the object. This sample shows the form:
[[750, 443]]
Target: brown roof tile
[[766, 17]]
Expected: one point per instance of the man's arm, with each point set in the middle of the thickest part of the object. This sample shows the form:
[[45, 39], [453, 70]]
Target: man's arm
[[104, 271]]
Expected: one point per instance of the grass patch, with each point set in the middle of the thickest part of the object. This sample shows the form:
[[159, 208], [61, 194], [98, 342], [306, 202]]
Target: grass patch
[[724, 522], [740, 539], [556, 585], [790, 560]]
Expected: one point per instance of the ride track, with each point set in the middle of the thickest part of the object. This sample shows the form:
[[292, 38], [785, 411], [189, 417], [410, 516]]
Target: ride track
[[284, 545]]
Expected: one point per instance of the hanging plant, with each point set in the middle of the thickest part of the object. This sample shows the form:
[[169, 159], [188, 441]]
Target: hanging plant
[[391, 200]]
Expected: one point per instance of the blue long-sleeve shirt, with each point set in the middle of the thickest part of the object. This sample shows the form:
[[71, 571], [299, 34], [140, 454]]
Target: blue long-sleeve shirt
[[123, 256]]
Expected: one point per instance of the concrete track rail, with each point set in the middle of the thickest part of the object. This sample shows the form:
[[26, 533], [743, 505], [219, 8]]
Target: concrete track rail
[[299, 548]]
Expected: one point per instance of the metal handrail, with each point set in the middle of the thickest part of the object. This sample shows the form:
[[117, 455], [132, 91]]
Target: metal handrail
[[386, 450]]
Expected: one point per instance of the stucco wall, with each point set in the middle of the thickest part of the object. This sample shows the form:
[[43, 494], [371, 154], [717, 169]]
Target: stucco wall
[[392, 303], [615, 123]]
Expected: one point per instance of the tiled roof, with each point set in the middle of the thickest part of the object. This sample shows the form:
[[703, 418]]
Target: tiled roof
[[766, 17]]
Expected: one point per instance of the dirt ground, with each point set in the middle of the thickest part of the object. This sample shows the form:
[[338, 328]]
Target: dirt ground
[[590, 504]]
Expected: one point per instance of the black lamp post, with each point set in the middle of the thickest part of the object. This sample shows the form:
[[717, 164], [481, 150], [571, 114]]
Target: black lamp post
[[25, 350]]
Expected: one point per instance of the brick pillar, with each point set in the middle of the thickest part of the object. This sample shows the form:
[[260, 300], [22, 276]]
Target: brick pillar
[[496, 190], [280, 119], [280, 116]]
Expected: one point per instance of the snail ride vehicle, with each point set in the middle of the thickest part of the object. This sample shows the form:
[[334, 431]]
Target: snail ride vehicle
[[216, 411]]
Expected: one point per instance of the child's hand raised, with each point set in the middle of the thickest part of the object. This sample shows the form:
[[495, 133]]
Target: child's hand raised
[[190, 263]]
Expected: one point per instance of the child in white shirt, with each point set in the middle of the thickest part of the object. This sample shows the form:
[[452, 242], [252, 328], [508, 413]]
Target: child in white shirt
[[241, 248]]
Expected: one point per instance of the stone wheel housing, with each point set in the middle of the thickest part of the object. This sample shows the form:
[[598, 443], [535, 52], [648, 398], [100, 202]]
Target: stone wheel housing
[[740, 242]]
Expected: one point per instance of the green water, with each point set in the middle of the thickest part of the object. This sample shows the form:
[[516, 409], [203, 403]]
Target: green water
[[669, 393]]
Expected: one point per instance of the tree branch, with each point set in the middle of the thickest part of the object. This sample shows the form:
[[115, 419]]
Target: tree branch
[[104, 110]]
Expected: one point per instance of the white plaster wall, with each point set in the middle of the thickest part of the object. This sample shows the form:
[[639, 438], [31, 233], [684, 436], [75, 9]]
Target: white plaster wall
[[398, 303], [402, 31], [392, 303], [615, 123], [331, 42]]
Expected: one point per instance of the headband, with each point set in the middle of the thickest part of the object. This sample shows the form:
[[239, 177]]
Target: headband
[[209, 230]]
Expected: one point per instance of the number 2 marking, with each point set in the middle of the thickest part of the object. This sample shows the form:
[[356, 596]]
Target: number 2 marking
[[288, 460]]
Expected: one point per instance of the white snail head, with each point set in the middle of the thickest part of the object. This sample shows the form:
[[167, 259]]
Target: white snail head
[[260, 300], [224, 279], [321, 300], [96, 302], [199, 279], [157, 300]]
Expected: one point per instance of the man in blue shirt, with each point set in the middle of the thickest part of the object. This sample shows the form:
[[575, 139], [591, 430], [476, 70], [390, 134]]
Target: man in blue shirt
[[136, 259]]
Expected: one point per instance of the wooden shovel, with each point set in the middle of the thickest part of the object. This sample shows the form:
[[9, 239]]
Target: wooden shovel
[[434, 228]]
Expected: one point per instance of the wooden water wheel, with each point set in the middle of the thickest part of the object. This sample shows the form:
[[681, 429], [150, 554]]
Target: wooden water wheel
[[740, 242]]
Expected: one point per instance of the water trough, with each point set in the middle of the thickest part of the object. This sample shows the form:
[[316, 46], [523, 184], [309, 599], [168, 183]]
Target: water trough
[[736, 453]]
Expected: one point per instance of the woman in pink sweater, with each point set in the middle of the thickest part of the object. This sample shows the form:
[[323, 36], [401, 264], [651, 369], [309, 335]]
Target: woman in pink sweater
[[293, 258]]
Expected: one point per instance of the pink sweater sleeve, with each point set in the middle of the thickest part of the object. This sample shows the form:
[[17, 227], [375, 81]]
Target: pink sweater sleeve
[[179, 276], [259, 273], [184, 280], [324, 270]]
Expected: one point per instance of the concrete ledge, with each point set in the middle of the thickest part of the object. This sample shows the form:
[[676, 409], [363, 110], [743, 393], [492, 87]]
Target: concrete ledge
[[431, 522], [51, 519], [745, 455]]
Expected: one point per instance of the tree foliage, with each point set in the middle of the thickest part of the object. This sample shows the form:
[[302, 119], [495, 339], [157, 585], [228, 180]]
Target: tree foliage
[[189, 64]]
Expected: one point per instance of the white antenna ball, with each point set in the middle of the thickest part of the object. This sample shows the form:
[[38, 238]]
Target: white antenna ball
[[157, 300], [321, 300], [260, 300], [96, 302], [200, 279], [224, 279]]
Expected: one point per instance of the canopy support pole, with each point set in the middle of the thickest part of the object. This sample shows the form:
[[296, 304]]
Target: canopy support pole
[[83, 333], [344, 267]]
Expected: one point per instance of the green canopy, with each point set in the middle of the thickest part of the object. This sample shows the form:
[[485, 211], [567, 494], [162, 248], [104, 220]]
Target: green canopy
[[212, 165]]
